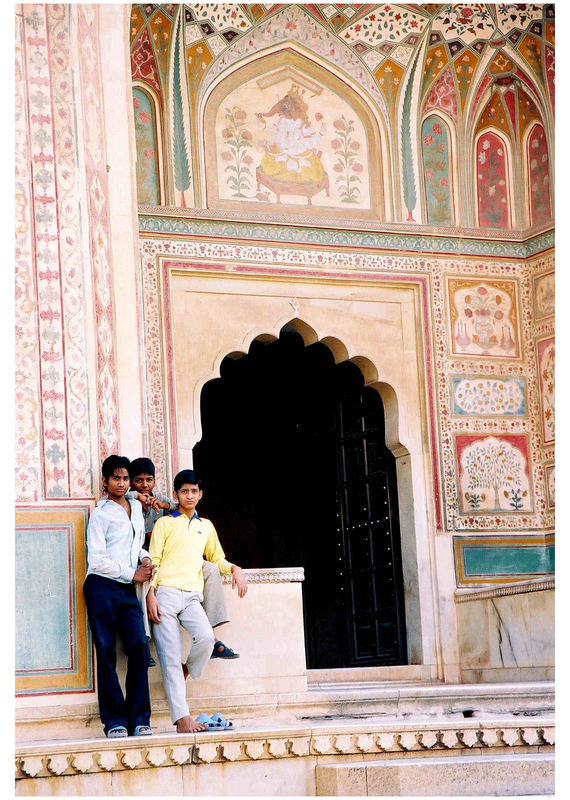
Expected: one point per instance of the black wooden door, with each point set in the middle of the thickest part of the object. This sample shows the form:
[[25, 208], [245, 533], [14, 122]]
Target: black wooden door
[[297, 474], [369, 533]]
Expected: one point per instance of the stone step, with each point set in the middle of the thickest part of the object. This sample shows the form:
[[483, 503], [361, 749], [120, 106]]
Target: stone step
[[456, 776], [401, 702]]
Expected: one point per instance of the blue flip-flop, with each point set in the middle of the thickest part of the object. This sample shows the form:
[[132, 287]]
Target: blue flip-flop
[[221, 722], [206, 720]]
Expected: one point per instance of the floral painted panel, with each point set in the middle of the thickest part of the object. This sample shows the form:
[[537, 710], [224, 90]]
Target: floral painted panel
[[549, 483], [148, 183], [493, 472], [280, 142], [545, 363], [539, 176], [483, 317], [544, 296], [489, 397], [437, 177], [492, 182]]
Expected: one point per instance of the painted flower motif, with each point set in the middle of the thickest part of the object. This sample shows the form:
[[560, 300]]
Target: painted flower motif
[[482, 158], [428, 140], [318, 116], [227, 156], [436, 128], [339, 124], [486, 144], [357, 167], [336, 144], [148, 152], [144, 117]]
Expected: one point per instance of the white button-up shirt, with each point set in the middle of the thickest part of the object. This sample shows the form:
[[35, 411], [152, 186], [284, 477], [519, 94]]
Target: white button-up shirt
[[115, 542]]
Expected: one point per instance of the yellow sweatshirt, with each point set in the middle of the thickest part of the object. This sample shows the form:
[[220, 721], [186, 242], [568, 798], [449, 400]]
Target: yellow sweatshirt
[[177, 547]]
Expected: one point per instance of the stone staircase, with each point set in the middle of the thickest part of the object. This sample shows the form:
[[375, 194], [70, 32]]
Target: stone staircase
[[334, 738]]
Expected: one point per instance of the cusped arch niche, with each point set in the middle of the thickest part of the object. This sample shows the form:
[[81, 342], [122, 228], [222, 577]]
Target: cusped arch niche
[[285, 135]]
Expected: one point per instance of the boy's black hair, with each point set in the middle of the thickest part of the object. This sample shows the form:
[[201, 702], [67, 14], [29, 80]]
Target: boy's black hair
[[186, 476], [112, 463], [141, 466]]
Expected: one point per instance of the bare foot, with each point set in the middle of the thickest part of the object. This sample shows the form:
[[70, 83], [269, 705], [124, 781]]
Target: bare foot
[[185, 671], [188, 725]]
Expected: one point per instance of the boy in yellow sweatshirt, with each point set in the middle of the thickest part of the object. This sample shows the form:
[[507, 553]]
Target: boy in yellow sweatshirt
[[177, 548]]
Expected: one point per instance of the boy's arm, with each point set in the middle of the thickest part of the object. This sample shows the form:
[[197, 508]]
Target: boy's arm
[[97, 556], [213, 552], [157, 546], [166, 502]]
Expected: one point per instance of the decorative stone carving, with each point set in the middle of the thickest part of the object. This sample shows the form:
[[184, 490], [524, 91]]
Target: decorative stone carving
[[232, 750], [277, 748], [131, 758], [299, 746], [255, 749], [32, 766], [427, 739], [343, 744], [322, 745], [57, 764], [59, 760], [366, 743], [205, 753], [277, 575], [82, 762], [107, 760], [156, 756]]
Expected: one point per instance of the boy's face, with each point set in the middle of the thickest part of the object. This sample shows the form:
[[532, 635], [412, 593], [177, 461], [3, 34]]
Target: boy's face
[[143, 483], [117, 484], [188, 497]]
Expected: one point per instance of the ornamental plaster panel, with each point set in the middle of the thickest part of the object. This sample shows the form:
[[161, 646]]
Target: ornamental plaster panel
[[278, 258]]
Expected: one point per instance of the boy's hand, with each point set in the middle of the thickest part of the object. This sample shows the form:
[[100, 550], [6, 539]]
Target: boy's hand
[[144, 572], [145, 499], [152, 607], [156, 504], [239, 580]]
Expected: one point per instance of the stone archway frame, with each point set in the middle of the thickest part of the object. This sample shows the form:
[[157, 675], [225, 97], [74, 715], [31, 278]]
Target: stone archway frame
[[294, 57], [378, 324]]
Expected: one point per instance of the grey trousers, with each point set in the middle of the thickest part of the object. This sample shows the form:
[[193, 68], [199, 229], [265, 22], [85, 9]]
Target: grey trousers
[[181, 608], [214, 601]]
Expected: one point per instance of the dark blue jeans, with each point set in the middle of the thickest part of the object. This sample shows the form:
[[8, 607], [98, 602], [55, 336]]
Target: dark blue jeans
[[113, 608]]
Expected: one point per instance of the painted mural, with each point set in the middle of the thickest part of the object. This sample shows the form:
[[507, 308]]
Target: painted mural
[[483, 317], [493, 472], [285, 142], [436, 150], [493, 397], [148, 178], [545, 365], [544, 295], [466, 61]]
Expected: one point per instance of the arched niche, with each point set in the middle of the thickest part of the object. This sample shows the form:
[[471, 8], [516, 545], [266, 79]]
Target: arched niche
[[439, 163], [493, 179], [536, 160], [149, 145], [284, 134]]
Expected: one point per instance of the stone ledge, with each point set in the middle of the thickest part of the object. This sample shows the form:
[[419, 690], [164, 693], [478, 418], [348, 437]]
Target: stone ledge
[[48, 759], [518, 587], [276, 575]]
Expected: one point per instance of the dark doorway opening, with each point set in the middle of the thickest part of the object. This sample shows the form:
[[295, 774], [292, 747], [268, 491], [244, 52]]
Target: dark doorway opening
[[297, 473]]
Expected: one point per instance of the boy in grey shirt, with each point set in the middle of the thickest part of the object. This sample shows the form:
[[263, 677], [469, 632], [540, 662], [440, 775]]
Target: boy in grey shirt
[[155, 505]]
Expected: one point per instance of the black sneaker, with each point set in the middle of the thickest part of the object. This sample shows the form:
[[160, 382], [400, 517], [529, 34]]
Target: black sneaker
[[221, 651]]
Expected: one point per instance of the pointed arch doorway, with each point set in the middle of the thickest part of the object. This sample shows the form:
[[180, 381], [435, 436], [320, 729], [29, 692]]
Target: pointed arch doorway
[[297, 473]]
